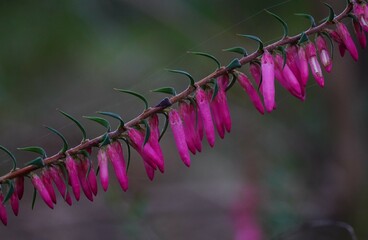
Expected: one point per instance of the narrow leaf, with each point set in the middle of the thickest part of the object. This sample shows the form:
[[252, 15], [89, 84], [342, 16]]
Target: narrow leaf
[[331, 15], [38, 162], [80, 126], [128, 147], [10, 191], [11, 156], [260, 46], [283, 53], [65, 143], [34, 197], [310, 17], [134, 94], [101, 121], [284, 24], [215, 90], [167, 90], [35, 149], [233, 64], [232, 82], [303, 38], [148, 131], [114, 115], [239, 50], [208, 56], [105, 140], [191, 79], [166, 124]]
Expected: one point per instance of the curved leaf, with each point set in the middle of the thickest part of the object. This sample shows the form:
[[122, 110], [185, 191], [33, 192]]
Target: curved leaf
[[331, 15], [80, 126], [208, 56], [215, 90], [34, 149], [34, 197], [239, 50], [284, 24], [166, 124], [11, 156], [303, 38], [148, 131], [283, 53], [310, 17], [38, 162], [232, 82], [235, 63], [105, 140], [134, 94], [114, 115], [191, 79], [260, 46], [128, 147], [101, 121], [167, 90], [65, 143]]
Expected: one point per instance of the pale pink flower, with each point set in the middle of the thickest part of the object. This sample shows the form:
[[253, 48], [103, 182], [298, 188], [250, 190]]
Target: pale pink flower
[[324, 55], [42, 190], [3, 214], [347, 40], [104, 168], [115, 153], [179, 136], [57, 177], [205, 112], [252, 93], [303, 69], [268, 80], [316, 70], [72, 168]]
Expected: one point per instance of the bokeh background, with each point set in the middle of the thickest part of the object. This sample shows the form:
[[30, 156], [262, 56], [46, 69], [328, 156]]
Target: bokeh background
[[292, 174]]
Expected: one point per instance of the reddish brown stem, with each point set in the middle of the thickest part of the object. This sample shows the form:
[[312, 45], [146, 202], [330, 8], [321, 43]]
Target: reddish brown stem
[[152, 110]]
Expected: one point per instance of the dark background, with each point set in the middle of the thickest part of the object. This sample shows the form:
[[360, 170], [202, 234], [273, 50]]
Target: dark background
[[304, 162]]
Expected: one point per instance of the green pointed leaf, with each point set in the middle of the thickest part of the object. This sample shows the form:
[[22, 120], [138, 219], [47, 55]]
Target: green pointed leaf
[[65, 143], [310, 17], [148, 131], [166, 124], [331, 15], [232, 82], [128, 147], [239, 50], [233, 64], [167, 90], [114, 115], [34, 197], [208, 56], [38, 162], [283, 23], [260, 46], [191, 79], [105, 140], [283, 53], [101, 121], [134, 94], [35, 149], [10, 192], [215, 90], [80, 126], [331, 43], [303, 38], [11, 156]]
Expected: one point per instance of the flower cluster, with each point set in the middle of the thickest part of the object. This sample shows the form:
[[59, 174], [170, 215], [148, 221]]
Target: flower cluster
[[202, 111]]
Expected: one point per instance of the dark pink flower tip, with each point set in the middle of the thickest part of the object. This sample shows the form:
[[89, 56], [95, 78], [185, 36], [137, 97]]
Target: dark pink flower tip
[[268, 81], [316, 70], [58, 179], [360, 34], [216, 114], [19, 186], [324, 55], [42, 190], [205, 112], [72, 168], [252, 93], [188, 124], [104, 168], [149, 170], [347, 40], [14, 202], [115, 153], [154, 140], [83, 179], [179, 136], [46, 179], [3, 214]]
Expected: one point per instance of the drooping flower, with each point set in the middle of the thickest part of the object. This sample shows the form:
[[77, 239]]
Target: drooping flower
[[196, 121], [252, 93], [316, 70], [223, 82], [46, 179], [19, 186], [255, 71], [216, 114], [154, 138], [42, 190], [268, 81], [72, 168], [3, 214], [292, 59], [104, 168], [303, 68], [57, 177], [361, 12], [188, 124], [14, 202], [324, 55], [116, 156], [92, 180], [336, 37], [149, 170], [83, 179], [199, 121], [177, 128], [360, 34], [205, 112], [347, 40]]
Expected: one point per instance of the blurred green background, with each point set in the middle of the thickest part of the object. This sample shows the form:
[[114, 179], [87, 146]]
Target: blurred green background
[[304, 162]]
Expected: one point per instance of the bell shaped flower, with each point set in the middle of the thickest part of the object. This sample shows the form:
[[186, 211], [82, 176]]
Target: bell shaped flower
[[104, 168], [46, 179]]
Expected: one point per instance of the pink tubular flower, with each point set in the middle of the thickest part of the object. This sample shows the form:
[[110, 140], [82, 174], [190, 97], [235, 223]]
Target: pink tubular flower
[[255, 71], [3, 214], [57, 177], [336, 37], [188, 124], [196, 122], [104, 168], [154, 139], [347, 40], [303, 69], [216, 114], [72, 168], [310, 50], [252, 93], [287, 78], [83, 179], [179, 136], [361, 12], [42, 190], [14, 202], [268, 80], [115, 153], [324, 55], [199, 122], [205, 112], [19, 186], [92, 180], [292, 59], [46, 179], [360, 34], [223, 82]]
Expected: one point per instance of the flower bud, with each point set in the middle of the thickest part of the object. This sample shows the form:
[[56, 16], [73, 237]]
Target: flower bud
[[14, 202], [83, 179], [360, 34], [196, 120], [361, 12], [115, 153], [188, 124], [324, 55], [292, 59], [216, 114], [252, 93], [268, 81], [57, 177], [19, 186], [316, 70], [42, 190], [347, 40], [72, 168], [46, 179], [104, 168], [303, 68], [223, 81], [205, 112]]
